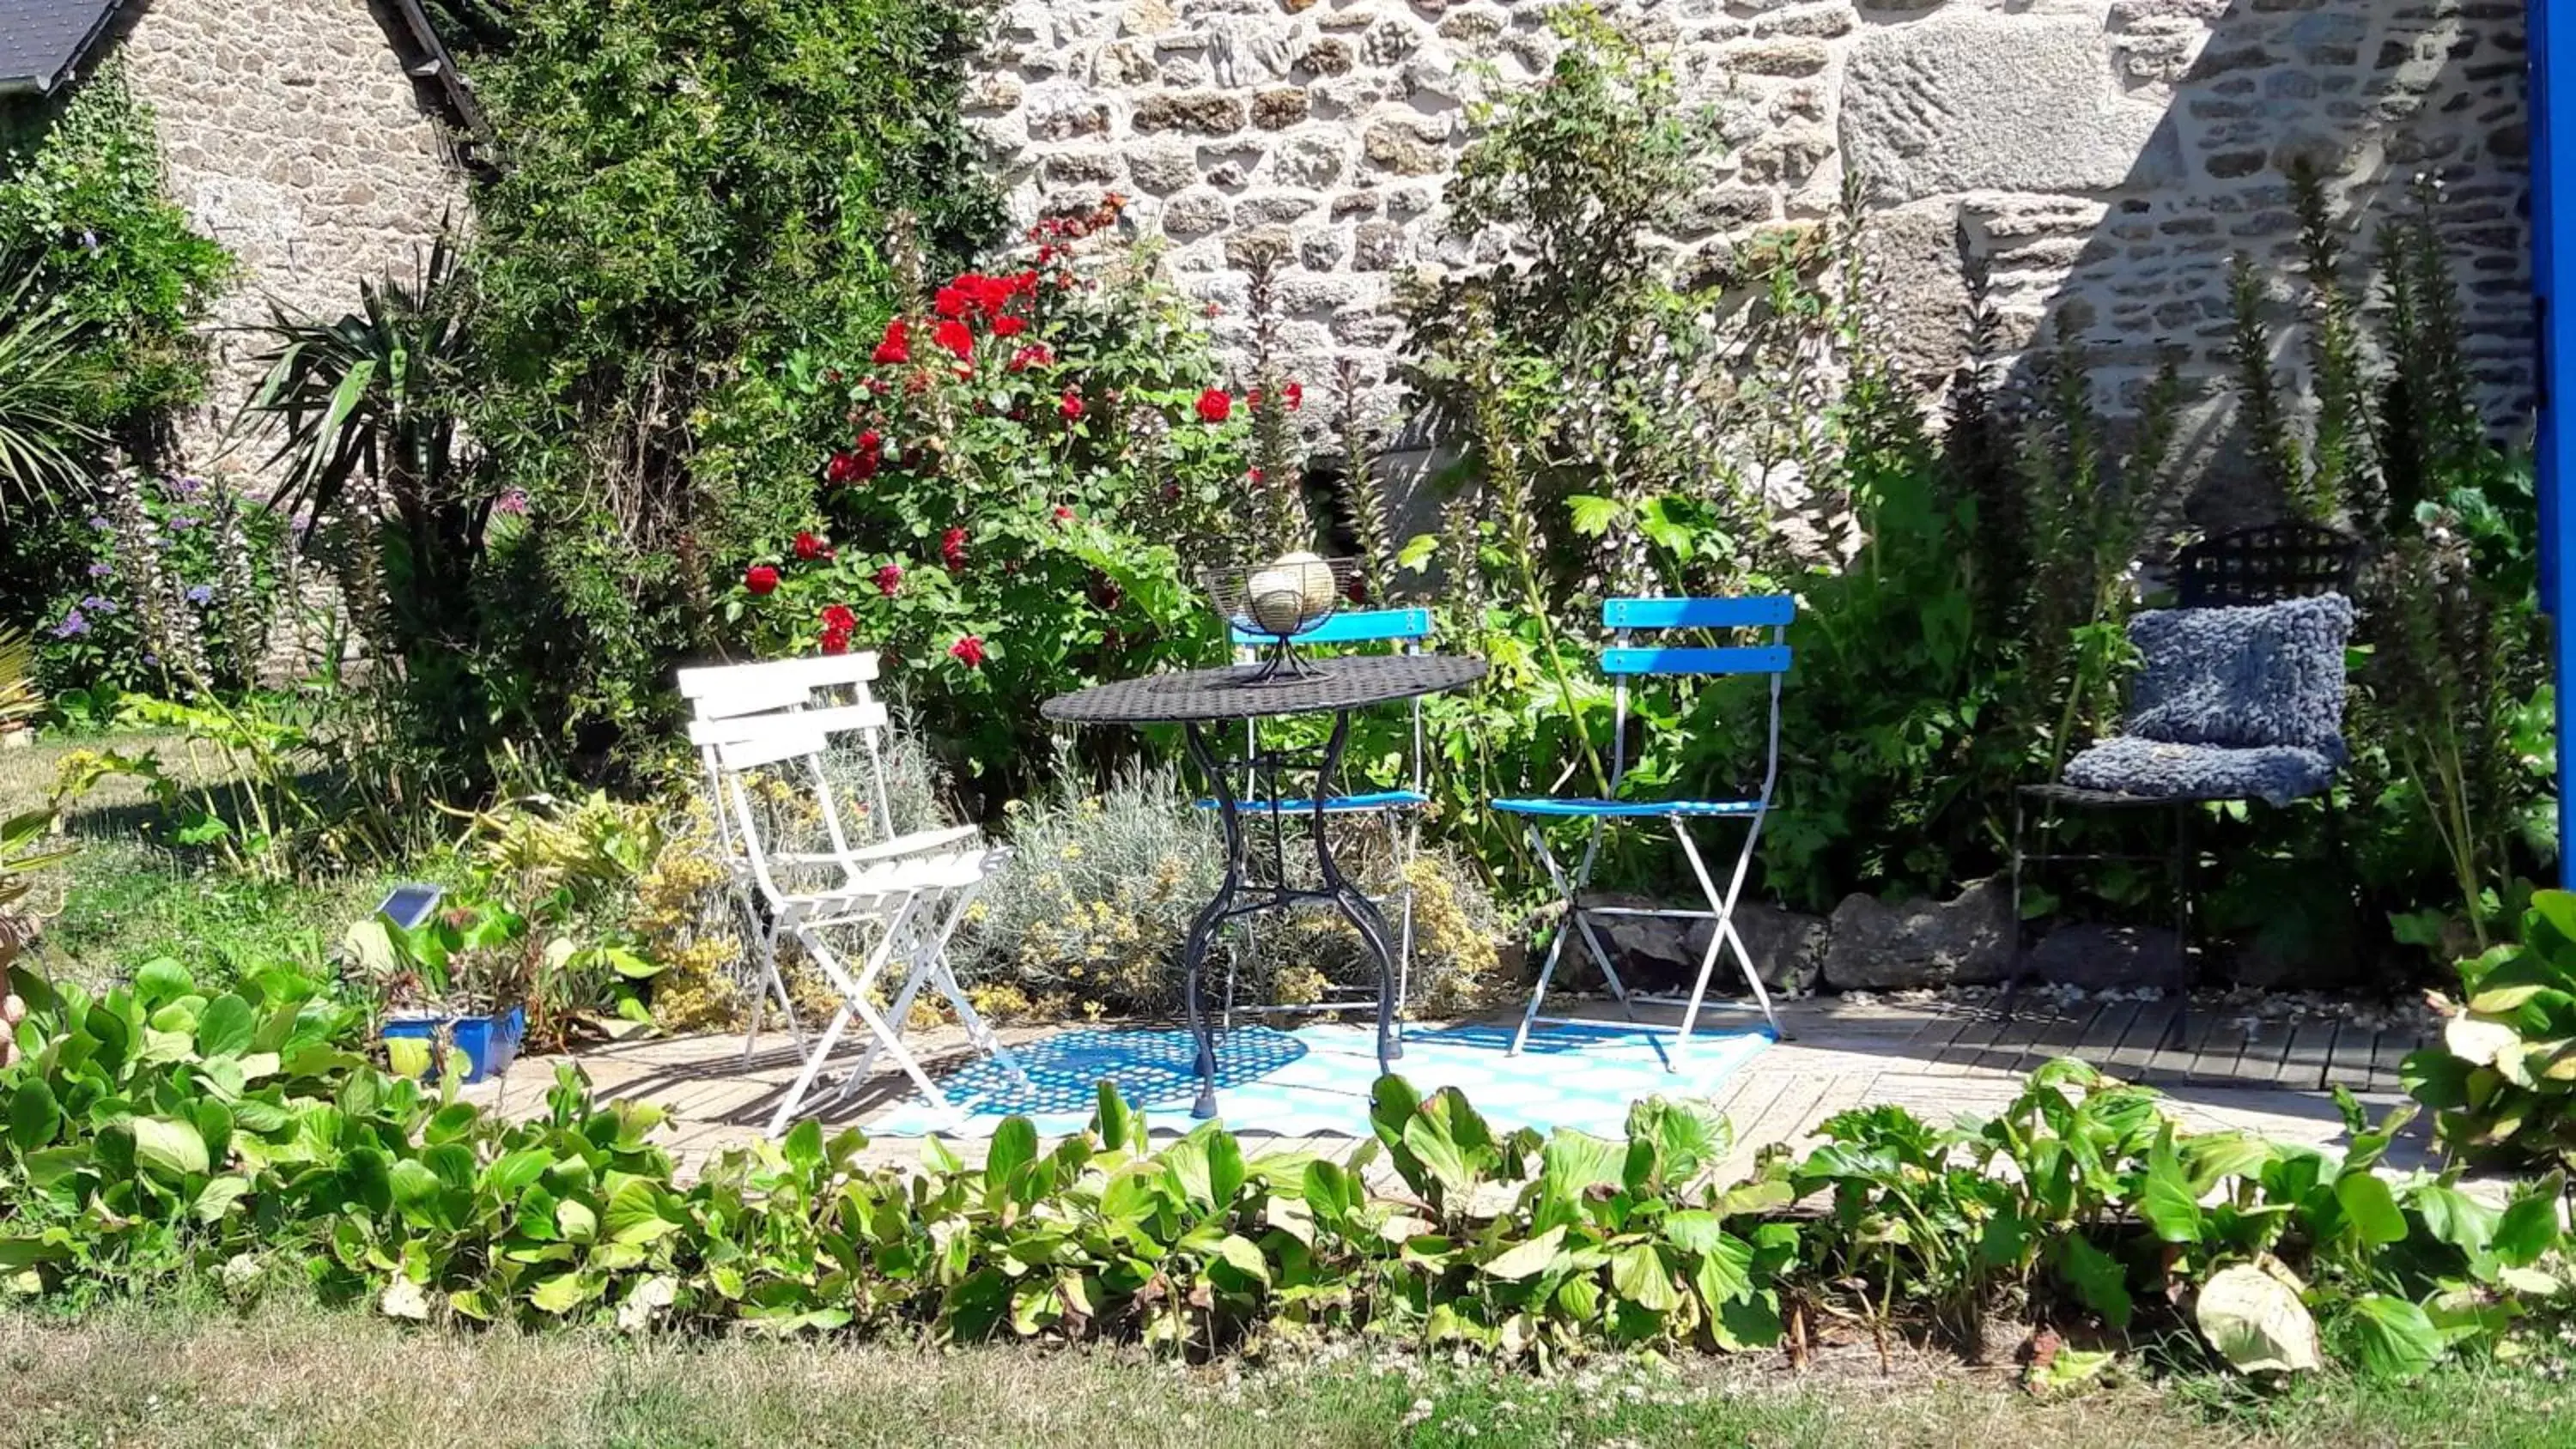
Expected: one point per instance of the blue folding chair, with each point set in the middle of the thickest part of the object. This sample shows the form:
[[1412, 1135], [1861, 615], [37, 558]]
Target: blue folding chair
[[1622, 662], [1406, 629]]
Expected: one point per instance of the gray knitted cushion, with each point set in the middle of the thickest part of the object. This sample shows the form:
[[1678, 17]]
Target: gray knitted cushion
[[2276, 774], [2263, 674]]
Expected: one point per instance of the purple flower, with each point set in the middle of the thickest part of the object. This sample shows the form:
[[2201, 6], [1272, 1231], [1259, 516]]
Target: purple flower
[[188, 487], [89, 239], [151, 660], [185, 520], [97, 605], [72, 627], [100, 570], [200, 593], [99, 522]]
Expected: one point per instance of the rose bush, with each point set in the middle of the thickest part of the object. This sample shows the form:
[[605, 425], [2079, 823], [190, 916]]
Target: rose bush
[[1034, 466]]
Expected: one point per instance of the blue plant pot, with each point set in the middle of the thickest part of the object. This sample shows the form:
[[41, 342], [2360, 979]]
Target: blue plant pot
[[490, 1043]]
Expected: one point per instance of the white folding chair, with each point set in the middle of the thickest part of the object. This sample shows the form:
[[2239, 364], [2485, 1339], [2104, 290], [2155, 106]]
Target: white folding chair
[[786, 686], [1401, 806], [904, 906], [1622, 662]]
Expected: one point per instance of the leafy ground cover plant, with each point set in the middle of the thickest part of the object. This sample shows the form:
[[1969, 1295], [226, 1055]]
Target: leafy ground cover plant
[[155, 1130], [2502, 1082]]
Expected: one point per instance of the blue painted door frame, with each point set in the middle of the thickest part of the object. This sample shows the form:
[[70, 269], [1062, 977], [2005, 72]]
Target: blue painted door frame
[[2552, 48]]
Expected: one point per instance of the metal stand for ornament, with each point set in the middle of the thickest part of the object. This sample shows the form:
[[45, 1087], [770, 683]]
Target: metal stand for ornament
[[1276, 602]]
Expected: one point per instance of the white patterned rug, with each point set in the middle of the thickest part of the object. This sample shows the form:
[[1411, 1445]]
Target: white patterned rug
[[1315, 1081]]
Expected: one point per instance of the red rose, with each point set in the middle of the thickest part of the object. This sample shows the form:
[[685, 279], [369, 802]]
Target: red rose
[[889, 579], [1063, 515], [1071, 407], [844, 468], [1035, 354], [954, 337], [952, 301], [952, 549], [760, 579], [810, 548], [1215, 406], [968, 651], [896, 349], [839, 618], [1008, 325]]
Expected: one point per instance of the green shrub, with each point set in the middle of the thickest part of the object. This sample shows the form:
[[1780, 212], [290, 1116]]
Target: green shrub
[[1026, 463], [2503, 1082], [1102, 887], [691, 197], [80, 195], [156, 1130]]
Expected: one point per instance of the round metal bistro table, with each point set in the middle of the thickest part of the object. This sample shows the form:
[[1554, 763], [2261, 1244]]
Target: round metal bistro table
[[1203, 697]]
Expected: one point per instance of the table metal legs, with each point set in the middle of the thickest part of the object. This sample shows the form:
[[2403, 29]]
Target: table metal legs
[[1362, 912], [1203, 929], [1356, 907]]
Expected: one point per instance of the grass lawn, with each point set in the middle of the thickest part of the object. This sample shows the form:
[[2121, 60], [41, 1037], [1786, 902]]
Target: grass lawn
[[122, 901], [295, 1375]]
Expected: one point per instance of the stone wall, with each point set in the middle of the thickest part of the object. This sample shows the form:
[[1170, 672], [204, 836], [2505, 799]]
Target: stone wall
[[2104, 156], [291, 135]]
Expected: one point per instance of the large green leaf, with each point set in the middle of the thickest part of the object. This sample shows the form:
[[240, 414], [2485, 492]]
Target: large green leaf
[[34, 1116], [225, 1027], [2167, 1201], [172, 1149], [1525, 1259], [2371, 1208], [1640, 1275], [2529, 1226], [1014, 1146], [2454, 1217], [2397, 1338], [2098, 1279]]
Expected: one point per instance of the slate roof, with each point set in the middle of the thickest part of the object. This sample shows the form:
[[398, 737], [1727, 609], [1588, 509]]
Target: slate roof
[[41, 40]]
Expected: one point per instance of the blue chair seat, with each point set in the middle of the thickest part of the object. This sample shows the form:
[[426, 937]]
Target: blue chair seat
[[1626, 809], [1337, 805]]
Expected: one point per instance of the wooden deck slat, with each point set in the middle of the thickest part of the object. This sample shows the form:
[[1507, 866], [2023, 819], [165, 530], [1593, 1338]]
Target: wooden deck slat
[[2134, 1056], [1977, 1036], [2102, 1034], [2388, 1055], [2303, 1060]]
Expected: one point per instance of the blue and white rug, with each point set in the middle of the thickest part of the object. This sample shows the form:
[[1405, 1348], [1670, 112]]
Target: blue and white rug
[[1316, 1080]]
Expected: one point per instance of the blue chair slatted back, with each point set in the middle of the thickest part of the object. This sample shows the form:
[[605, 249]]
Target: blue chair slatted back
[[1405, 628], [1623, 660], [1370, 626]]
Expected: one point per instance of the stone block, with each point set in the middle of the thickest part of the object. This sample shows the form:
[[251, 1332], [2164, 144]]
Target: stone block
[[1316, 160], [1279, 108], [1194, 215], [1163, 169], [1663, 954], [1876, 946], [1919, 295], [1327, 55], [2102, 958], [1970, 100], [1205, 113], [1400, 147]]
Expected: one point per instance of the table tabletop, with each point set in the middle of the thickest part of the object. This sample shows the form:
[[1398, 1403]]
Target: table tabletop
[[1237, 692]]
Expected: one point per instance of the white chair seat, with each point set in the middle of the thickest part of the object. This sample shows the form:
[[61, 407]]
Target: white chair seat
[[914, 843]]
